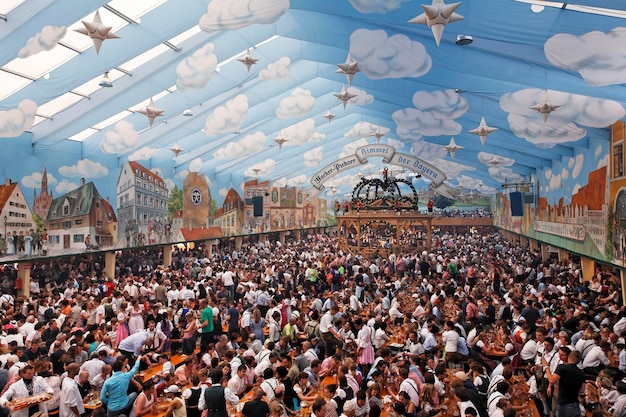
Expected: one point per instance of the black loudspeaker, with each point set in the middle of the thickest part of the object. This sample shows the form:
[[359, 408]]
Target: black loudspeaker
[[257, 202], [517, 203]]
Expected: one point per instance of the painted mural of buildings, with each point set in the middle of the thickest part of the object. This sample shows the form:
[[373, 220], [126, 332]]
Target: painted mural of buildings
[[80, 213], [177, 222], [230, 217], [14, 210], [251, 189], [196, 201], [42, 203], [142, 201]]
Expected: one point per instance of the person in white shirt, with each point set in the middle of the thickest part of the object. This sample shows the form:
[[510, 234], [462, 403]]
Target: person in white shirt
[[409, 386], [450, 341], [71, 402], [94, 365], [236, 383], [597, 358]]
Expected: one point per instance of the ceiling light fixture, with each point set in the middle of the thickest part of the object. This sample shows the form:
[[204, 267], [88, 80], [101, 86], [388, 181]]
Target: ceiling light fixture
[[187, 113], [105, 81], [464, 40]]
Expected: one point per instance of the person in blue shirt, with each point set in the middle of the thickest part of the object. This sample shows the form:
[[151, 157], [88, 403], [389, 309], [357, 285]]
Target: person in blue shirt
[[113, 393]]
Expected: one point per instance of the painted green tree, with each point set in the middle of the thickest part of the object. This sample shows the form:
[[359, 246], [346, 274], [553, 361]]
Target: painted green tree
[[175, 202], [442, 202]]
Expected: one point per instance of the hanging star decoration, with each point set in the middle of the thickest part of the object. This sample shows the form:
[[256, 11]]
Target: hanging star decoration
[[452, 147], [436, 16], [97, 31], [350, 68], [280, 141], [177, 149], [495, 161], [378, 134], [328, 115], [151, 112], [344, 96], [545, 107], [248, 60], [256, 171], [483, 130]]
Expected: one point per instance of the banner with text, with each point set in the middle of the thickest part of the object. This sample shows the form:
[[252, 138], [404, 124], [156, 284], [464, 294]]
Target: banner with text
[[389, 155]]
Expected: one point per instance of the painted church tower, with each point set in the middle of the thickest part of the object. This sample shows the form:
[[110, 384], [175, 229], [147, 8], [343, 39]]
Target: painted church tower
[[42, 204]]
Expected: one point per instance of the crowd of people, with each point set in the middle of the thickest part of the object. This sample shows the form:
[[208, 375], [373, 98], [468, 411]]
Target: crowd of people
[[478, 326]]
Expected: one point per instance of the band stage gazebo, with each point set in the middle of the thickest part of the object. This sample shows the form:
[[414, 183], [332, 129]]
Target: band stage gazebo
[[382, 217]]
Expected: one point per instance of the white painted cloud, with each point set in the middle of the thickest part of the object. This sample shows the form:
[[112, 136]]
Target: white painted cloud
[[122, 138], [350, 180], [142, 154], [249, 145], [376, 6], [236, 14], [223, 191], [169, 183], [398, 144], [441, 104], [261, 169], [298, 103], [578, 165], [363, 98], [599, 57], [313, 157], [563, 123], [380, 56], [297, 181], [564, 174], [505, 174], [84, 168], [65, 186], [16, 121], [543, 135], [427, 151], [182, 174], [364, 130], [603, 161], [228, 118], [451, 169], [433, 115], [301, 133], [576, 188], [195, 71], [350, 148], [548, 172], [195, 165], [555, 182], [278, 70], [598, 151], [486, 158], [469, 183], [45, 40], [280, 183], [34, 180]]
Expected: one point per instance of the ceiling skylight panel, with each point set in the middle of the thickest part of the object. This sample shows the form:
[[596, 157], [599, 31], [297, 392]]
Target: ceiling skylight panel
[[111, 120], [42, 63], [135, 9], [178, 39], [60, 103], [10, 83], [145, 102], [144, 58], [6, 6], [39, 119], [81, 136]]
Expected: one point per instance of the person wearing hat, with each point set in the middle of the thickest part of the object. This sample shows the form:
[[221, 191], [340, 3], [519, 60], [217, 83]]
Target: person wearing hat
[[177, 406]]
